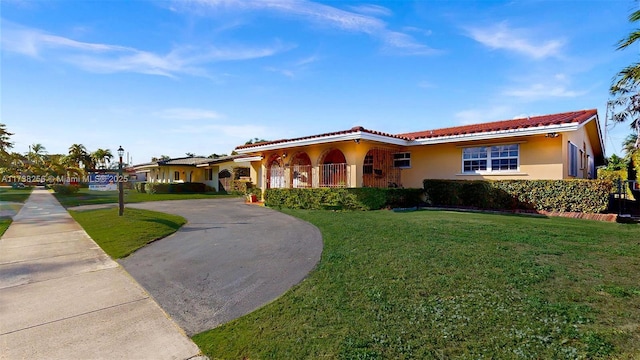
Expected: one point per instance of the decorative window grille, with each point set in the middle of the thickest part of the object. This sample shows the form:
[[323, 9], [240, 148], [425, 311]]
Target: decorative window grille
[[333, 175]]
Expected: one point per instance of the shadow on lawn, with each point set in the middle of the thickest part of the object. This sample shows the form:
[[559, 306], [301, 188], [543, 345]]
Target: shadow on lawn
[[168, 223]]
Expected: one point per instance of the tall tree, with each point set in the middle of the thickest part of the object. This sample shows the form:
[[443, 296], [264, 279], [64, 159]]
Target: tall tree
[[78, 155], [630, 144], [102, 157], [36, 159], [629, 77], [5, 137], [625, 86]]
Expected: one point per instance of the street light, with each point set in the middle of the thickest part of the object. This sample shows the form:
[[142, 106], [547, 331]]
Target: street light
[[120, 181]]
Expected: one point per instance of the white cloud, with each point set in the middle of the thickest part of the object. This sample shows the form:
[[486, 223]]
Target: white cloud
[[374, 10], [541, 91], [503, 37], [322, 14], [542, 86], [106, 58], [188, 114]]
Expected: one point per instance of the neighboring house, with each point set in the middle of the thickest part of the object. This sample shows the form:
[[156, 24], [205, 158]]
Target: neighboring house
[[191, 169], [558, 146]]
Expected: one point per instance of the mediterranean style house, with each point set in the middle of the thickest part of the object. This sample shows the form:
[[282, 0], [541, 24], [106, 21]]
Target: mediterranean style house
[[557, 146], [216, 172]]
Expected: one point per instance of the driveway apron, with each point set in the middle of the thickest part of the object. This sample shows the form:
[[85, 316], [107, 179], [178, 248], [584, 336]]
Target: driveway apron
[[228, 260]]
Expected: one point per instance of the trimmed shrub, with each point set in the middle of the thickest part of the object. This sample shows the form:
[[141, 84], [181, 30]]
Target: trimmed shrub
[[140, 187], [65, 189], [342, 198], [589, 196], [242, 187]]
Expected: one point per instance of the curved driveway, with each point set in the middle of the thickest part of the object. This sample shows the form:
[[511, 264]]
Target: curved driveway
[[228, 260]]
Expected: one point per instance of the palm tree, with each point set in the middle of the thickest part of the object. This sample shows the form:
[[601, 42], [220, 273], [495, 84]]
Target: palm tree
[[37, 153], [629, 77], [36, 159], [631, 144], [78, 155], [626, 83], [102, 157]]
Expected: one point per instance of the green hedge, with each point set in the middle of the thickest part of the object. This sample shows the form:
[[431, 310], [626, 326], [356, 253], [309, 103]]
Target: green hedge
[[65, 189], [243, 187], [588, 196], [140, 187], [342, 198]]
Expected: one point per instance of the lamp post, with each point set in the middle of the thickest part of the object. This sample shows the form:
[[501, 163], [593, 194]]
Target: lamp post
[[120, 181]]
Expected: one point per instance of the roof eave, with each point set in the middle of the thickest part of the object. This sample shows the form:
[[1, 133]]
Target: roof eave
[[356, 135], [540, 130]]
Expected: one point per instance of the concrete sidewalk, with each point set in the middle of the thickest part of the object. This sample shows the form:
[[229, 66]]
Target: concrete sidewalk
[[62, 297]]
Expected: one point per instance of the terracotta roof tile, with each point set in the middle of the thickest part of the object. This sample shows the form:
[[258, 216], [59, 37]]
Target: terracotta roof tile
[[534, 121], [354, 129]]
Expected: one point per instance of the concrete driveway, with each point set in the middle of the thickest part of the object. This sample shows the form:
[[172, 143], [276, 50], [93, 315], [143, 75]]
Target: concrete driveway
[[228, 260]]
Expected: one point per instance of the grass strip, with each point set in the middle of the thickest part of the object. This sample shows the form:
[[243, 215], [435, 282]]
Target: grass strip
[[438, 284], [87, 197], [4, 225], [120, 236], [15, 195]]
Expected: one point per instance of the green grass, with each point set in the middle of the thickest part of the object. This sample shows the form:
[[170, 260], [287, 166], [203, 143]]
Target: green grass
[[15, 195], [440, 285], [120, 236], [86, 197], [4, 224]]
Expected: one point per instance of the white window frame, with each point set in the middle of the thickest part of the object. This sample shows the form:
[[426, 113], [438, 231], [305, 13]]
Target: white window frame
[[488, 149], [401, 157]]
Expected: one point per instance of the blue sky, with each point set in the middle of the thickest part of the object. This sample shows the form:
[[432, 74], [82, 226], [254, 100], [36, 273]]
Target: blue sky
[[202, 76]]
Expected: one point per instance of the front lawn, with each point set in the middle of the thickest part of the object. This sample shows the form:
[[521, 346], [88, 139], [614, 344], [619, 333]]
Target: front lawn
[[87, 197], [440, 285], [15, 195], [120, 236]]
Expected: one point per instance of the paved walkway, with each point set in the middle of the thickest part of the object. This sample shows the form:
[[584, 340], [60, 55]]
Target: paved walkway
[[62, 297]]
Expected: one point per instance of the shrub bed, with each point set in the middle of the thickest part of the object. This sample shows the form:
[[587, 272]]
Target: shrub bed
[[588, 196], [342, 198]]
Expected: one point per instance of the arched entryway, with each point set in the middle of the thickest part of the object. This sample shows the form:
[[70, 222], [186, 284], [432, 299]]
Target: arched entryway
[[300, 167], [224, 180], [378, 170], [275, 172], [333, 169]]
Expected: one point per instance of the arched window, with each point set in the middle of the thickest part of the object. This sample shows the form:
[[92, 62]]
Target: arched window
[[333, 169], [275, 173], [301, 170]]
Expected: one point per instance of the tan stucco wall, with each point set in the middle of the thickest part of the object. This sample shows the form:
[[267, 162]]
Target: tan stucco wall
[[579, 138], [540, 158]]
